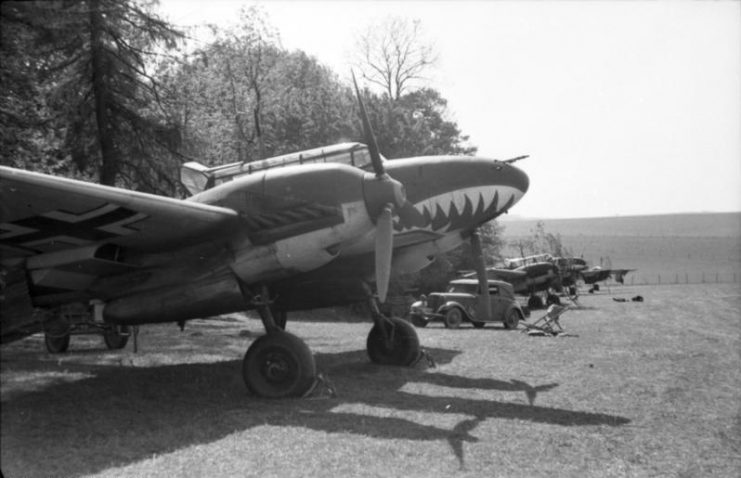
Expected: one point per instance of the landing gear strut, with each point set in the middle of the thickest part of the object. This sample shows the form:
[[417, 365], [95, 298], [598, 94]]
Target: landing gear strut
[[278, 364]]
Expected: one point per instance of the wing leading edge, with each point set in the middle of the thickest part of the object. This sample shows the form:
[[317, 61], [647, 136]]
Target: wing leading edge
[[41, 214]]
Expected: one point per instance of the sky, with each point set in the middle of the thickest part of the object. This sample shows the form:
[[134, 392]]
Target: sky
[[625, 107]]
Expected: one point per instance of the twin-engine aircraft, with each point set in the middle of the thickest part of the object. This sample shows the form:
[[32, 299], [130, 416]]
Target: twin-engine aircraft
[[307, 230], [531, 275]]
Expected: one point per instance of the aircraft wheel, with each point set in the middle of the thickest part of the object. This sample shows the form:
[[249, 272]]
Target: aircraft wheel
[[478, 324], [512, 319], [419, 321], [453, 318], [56, 344], [278, 365], [116, 337], [404, 346], [535, 302]]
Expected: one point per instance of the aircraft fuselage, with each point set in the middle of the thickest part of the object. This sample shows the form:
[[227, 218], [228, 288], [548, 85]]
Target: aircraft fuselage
[[311, 235]]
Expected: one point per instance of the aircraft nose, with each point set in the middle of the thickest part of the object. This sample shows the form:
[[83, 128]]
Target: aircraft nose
[[514, 176]]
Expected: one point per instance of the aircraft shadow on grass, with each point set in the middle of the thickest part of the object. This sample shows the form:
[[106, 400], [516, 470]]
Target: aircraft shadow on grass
[[158, 410]]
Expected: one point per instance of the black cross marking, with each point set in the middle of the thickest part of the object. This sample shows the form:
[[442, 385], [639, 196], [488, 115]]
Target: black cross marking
[[85, 230]]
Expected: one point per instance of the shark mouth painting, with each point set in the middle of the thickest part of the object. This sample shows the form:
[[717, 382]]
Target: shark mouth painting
[[458, 209]]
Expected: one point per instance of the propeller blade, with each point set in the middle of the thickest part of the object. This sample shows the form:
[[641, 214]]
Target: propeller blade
[[370, 138], [384, 251]]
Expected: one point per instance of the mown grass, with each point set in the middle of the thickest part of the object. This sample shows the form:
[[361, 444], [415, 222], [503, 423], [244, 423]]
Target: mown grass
[[639, 389]]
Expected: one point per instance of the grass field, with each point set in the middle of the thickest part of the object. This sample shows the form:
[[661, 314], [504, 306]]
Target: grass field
[[637, 389]]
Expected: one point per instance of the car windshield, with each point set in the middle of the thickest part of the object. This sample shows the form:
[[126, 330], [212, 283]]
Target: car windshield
[[463, 288]]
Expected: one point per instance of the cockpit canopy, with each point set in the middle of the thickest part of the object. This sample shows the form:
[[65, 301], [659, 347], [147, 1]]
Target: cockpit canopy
[[197, 177]]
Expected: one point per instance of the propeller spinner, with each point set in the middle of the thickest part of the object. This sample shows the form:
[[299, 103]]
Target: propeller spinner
[[383, 194]]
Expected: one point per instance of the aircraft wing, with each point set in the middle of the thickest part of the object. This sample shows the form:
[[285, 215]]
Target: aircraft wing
[[619, 274], [41, 214]]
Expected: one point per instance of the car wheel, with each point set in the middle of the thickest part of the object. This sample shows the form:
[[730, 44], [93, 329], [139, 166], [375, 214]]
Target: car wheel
[[453, 318], [512, 319]]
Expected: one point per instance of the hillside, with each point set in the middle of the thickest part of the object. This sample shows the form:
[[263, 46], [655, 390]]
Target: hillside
[[672, 225], [664, 248]]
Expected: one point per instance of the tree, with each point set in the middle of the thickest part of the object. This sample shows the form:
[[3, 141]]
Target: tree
[[543, 242], [392, 55], [243, 98], [91, 59], [415, 125], [27, 137]]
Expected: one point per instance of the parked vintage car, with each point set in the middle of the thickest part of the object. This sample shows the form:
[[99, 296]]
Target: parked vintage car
[[460, 303]]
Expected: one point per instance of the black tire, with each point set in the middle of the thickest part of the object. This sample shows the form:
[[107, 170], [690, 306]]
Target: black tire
[[403, 349], [478, 324], [512, 319], [116, 337], [453, 318], [278, 365], [418, 320], [535, 302], [56, 343]]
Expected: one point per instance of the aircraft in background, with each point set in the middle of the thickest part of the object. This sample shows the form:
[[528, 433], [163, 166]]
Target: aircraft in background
[[532, 276], [539, 275], [307, 230]]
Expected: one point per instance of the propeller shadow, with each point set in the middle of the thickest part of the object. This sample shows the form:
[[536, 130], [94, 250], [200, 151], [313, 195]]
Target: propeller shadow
[[142, 411]]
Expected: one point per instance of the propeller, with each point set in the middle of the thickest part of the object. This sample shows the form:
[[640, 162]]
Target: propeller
[[383, 194], [370, 138], [384, 252]]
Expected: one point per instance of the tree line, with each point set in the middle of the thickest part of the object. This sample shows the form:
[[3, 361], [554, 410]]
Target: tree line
[[107, 91]]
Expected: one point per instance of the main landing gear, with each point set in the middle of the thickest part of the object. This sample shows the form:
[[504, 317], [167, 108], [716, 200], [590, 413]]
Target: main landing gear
[[391, 341], [280, 365], [76, 319]]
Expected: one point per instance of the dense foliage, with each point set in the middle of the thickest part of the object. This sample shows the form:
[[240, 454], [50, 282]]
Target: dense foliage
[[85, 65]]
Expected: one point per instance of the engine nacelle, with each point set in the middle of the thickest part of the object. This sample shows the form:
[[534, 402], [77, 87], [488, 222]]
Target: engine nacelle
[[298, 218], [218, 295]]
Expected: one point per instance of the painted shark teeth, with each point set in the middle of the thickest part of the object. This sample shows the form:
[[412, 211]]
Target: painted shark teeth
[[447, 211]]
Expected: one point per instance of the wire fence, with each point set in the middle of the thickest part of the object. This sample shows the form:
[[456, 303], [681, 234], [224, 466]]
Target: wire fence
[[695, 277]]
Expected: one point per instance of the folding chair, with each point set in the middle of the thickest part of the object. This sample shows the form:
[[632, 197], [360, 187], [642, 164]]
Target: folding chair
[[548, 324]]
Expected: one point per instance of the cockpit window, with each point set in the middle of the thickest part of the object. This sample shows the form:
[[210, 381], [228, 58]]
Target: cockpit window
[[352, 154]]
